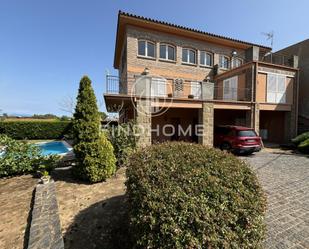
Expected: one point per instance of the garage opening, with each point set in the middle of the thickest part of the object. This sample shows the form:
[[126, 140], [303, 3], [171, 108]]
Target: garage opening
[[231, 117], [272, 126], [175, 124]]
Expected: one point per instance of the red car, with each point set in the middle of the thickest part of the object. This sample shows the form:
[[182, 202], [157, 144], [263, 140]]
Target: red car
[[237, 139]]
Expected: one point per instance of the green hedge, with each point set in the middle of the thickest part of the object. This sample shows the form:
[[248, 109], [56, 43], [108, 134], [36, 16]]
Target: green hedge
[[302, 142], [35, 129], [184, 195]]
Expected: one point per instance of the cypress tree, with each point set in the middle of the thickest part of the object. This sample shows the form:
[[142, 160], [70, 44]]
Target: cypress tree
[[93, 152], [86, 122]]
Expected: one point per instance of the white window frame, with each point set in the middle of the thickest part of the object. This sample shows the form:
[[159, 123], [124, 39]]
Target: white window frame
[[166, 51], [228, 59], [211, 58], [146, 48], [196, 89], [158, 87], [275, 93], [234, 59], [188, 56], [230, 88]]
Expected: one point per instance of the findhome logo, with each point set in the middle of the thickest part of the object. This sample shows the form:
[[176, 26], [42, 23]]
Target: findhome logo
[[166, 130]]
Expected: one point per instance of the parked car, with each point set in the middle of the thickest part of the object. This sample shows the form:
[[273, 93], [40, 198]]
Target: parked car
[[237, 139]]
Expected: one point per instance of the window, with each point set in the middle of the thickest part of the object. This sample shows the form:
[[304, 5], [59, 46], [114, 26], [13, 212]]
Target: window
[[167, 52], [230, 87], [196, 89], [205, 58], [188, 56], [146, 48], [224, 62], [246, 133], [158, 87], [236, 62], [276, 88]]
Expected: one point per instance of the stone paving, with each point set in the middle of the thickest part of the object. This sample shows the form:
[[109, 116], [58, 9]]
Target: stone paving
[[45, 230], [285, 178]]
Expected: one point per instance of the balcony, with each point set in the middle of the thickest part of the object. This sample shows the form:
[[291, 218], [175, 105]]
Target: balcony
[[156, 87], [279, 59]]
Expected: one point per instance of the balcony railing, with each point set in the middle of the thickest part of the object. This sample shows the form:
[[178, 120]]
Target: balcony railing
[[177, 88], [112, 84], [278, 59]]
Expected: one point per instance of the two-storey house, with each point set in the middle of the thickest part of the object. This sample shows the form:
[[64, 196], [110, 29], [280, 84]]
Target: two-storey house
[[300, 49], [172, 78]]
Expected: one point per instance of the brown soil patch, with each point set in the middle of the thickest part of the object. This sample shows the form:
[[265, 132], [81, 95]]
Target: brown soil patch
[[15, 203], [92, 215]]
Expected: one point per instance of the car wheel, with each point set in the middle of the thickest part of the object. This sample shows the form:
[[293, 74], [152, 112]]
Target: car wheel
[[225, 147]]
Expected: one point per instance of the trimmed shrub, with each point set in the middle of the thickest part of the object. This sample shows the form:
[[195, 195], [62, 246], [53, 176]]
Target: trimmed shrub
[[124, 141], [300, 138], [19, 157], [94, 153], [96, 160], [185, 195], [302, 142], [35, 129]]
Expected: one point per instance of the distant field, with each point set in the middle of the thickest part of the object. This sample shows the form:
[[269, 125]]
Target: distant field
[[29, 119]]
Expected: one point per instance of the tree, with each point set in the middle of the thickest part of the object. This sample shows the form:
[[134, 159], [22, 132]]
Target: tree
[[103, 116], [86, 122], [65, 118], [94, 153], [44, 116], [67, 104]]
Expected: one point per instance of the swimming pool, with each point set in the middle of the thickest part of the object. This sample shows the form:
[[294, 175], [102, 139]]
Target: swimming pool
[[54, 148]]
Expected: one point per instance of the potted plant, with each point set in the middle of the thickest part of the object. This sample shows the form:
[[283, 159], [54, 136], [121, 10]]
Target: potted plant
[[45, 178]]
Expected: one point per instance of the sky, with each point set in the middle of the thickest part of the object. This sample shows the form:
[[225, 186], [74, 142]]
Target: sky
[[46, 46]]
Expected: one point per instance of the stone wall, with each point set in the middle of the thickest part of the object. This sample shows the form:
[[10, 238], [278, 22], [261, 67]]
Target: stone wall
[[143, 121], [45, 229], [206, 119]]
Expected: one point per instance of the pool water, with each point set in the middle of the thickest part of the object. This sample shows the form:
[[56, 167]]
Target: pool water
[[53, 148]]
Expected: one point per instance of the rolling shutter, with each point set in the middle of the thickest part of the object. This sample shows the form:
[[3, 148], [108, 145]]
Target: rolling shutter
[[158, 87], [230, 88], [276, 88]]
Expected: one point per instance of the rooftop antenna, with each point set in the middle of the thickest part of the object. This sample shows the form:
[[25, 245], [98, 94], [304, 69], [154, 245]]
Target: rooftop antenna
[[269, 36]]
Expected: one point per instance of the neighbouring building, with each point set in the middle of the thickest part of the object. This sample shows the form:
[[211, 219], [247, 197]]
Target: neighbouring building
[[301, 50], [180, 77]]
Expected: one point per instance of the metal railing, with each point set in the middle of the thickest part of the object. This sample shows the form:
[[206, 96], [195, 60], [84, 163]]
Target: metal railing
[[178, 89], [112, 84], [277, 59]]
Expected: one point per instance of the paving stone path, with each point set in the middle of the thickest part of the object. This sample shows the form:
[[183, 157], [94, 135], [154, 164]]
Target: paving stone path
[[285, 178], [45, 230]]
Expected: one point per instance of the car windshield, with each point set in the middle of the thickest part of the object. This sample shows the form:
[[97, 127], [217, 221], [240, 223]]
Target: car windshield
[[247, 133]]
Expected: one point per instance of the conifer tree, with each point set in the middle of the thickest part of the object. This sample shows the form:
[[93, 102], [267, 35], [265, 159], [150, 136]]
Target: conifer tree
[[93, 152]]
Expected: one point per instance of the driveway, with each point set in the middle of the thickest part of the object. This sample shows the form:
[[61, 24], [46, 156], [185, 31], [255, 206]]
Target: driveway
[[285, 179]]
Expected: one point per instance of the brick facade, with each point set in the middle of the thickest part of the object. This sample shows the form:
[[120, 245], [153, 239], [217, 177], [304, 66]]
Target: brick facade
[[251, 86], [177, 69]]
